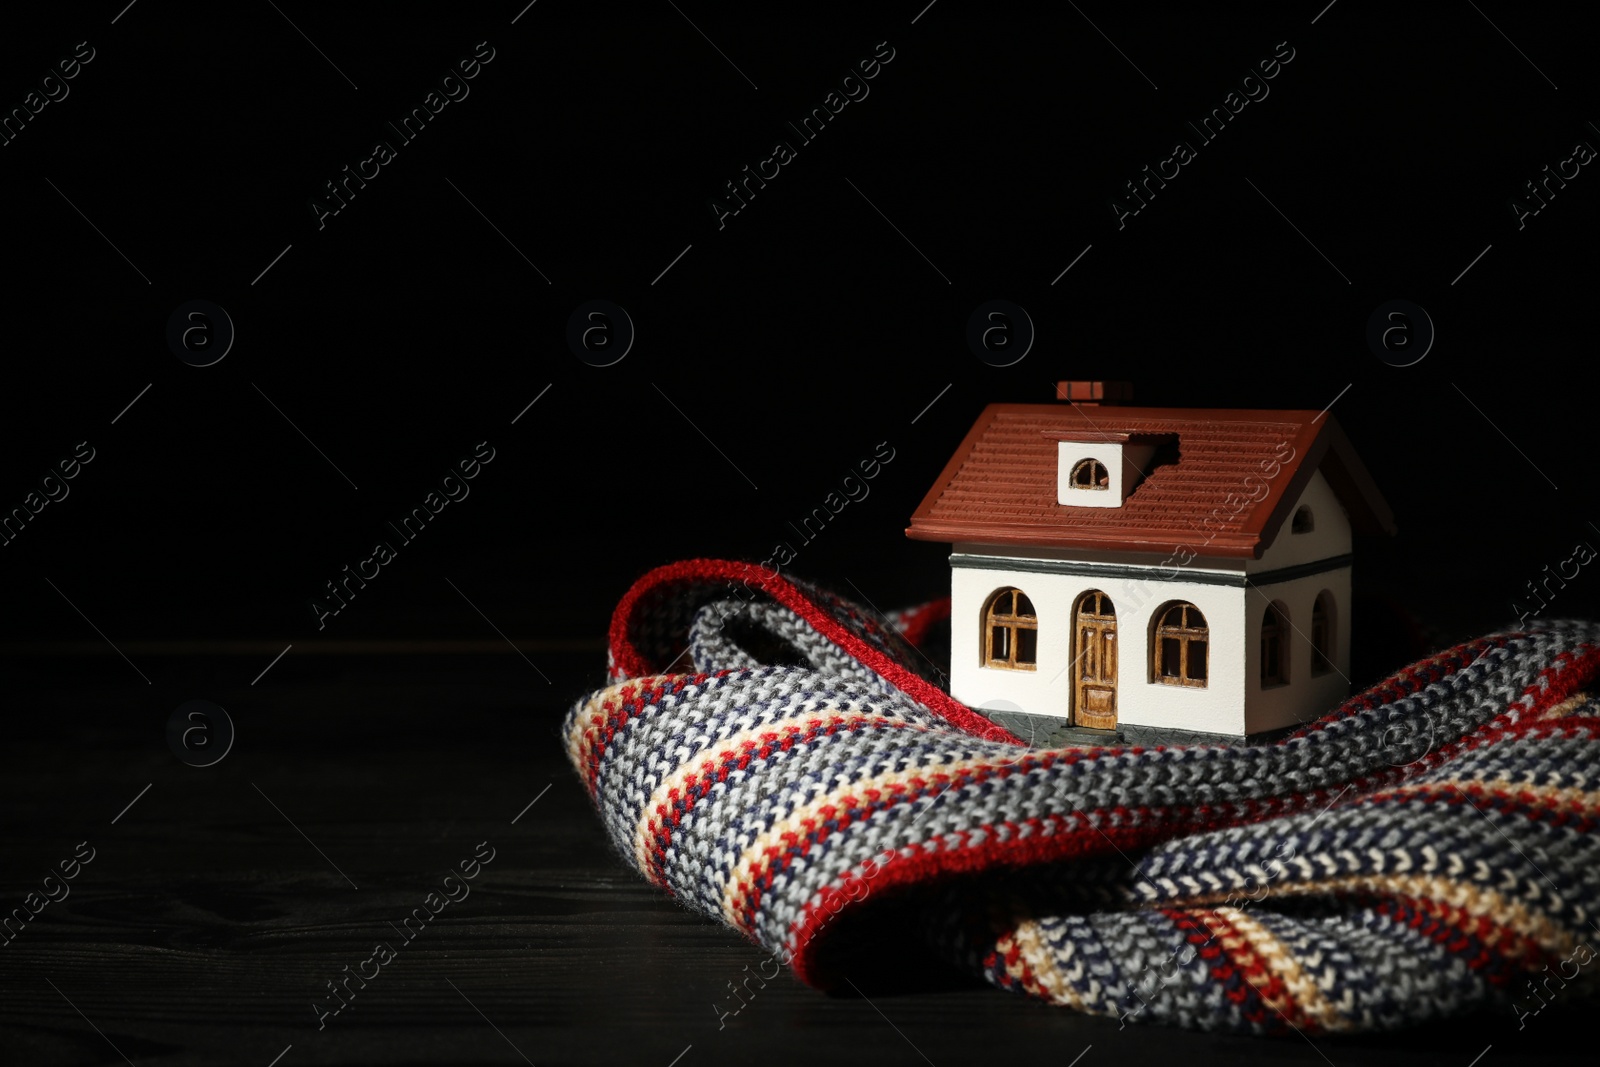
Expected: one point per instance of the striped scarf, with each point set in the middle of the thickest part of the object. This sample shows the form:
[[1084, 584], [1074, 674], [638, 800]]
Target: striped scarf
[[784, 760]]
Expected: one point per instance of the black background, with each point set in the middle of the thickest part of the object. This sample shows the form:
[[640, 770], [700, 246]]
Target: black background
[[776, 352], [795, 338]]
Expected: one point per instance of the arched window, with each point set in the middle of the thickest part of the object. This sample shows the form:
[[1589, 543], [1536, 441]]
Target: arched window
[[1089, 474], [1304, 521], [1322, 633], [1010, 631], [1275, 645], [1180, 645]]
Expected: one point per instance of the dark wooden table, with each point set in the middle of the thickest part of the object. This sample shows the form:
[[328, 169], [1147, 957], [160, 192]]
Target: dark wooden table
[[222, 901]]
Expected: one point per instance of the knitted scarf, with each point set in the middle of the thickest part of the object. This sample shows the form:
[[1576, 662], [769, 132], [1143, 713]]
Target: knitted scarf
[[1426, 848]]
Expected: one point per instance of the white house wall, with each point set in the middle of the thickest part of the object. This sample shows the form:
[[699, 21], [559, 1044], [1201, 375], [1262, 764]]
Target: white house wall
[[1233, 702], [1047, 690], [1306, 696], [1330, 538]]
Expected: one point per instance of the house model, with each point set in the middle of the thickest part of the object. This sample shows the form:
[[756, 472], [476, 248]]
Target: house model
[[1150, 574]]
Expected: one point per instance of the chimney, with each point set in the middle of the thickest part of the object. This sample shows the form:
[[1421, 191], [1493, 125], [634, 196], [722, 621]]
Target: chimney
[[1094, 394]]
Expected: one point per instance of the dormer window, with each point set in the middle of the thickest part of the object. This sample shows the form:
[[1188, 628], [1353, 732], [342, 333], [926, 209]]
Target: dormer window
[[1090, 474], [1303, 522], [1110, 464]]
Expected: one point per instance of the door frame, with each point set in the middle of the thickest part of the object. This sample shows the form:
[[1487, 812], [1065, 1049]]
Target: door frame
[[1104, 624]]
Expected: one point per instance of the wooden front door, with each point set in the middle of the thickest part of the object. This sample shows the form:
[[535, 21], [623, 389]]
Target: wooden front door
[[1094, 689]]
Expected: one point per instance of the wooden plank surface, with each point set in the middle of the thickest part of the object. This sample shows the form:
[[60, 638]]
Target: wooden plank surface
[[218, 906]]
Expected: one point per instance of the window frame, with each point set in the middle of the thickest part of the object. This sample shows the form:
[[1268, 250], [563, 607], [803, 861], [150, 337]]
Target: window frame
[[1012, 623], [1185, 632], [1097, 471], [1275, 657], [1322, 636]]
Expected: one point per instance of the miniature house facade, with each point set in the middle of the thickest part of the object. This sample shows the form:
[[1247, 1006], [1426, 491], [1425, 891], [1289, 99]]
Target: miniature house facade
[[1160, 573]]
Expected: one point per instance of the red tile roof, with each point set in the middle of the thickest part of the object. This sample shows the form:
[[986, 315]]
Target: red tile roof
[[1000, 486]]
